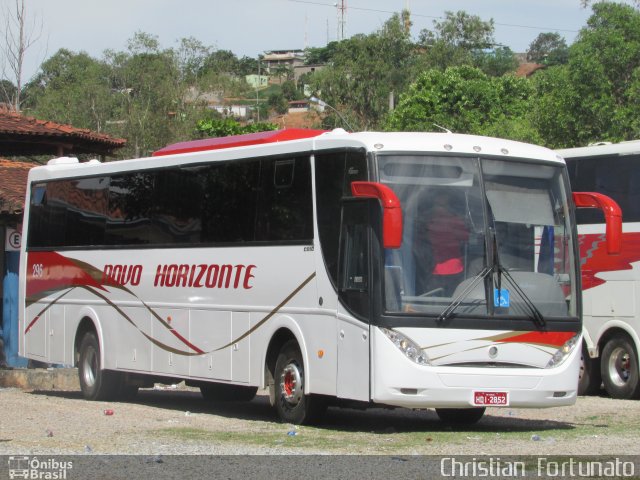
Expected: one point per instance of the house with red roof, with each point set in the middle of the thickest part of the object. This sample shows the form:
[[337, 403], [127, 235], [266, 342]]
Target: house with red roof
[[25, 136]]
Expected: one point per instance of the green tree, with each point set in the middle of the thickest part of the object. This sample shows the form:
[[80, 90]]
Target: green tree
[[146, 79], [594, 98], [217, 127], [553, 108], [8, 91], [321, 55], [247, 66], [466, 100], [367, 70], [586, 3], [278, 103], [464, 39], [460, 29], [290, 91], [191, 56], [154, 106], [548, 48], [221, 61], [495, 62], [73, 88]]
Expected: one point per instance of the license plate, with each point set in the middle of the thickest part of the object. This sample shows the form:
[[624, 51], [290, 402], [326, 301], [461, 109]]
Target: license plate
[[491, 399]]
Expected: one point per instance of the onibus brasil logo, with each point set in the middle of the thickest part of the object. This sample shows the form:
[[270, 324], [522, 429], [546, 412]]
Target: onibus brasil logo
[[38, 469]]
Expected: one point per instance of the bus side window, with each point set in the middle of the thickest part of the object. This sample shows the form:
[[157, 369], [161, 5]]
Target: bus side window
[[356, 271], [285, 203], [355, 256], [334, 173]]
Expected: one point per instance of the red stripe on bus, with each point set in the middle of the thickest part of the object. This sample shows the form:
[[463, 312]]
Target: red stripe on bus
[[185, 341], [259, 138], [31, 324], [556, 339], [50, 271]]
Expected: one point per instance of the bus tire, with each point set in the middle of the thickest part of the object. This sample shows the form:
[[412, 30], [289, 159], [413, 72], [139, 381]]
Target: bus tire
[[292, 405], [95, 383], [589, 378], [619, 368], [460, 416], [222, 392]]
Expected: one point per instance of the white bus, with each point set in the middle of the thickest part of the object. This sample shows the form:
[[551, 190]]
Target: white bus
[[611, 284], [304, 262]]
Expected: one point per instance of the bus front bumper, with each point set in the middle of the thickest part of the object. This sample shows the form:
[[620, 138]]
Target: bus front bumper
[[397, 381]]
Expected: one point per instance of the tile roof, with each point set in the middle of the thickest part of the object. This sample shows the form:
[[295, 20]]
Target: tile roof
[[528, 69], [22, 135], [13, 185]]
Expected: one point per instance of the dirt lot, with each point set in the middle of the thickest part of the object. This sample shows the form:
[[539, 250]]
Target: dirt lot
[[178, 421]]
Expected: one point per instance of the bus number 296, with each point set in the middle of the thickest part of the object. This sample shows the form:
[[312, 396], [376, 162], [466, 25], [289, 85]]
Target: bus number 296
[[38, 270]]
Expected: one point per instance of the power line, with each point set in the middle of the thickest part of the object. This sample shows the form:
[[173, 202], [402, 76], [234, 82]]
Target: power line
[[413, 14]]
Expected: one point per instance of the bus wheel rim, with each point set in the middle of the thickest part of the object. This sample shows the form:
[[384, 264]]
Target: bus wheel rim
[[619, 367], [90, 367], [291, 384]]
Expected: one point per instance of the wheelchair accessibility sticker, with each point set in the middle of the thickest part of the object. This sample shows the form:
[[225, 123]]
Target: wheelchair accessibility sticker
[[501, 298]]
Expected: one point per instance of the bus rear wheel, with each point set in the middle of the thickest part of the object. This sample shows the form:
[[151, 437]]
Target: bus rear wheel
[[460, 416], [619, 368], [589, 378], [292, 405], [95, 383]]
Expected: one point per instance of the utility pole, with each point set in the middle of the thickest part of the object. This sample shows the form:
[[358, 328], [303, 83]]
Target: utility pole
[[406, 17], [257, 91], [342, 18]]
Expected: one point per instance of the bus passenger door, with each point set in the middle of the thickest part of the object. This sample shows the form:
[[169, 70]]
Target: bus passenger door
[[354, 309]]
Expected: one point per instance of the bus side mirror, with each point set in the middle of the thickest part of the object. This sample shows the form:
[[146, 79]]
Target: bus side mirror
[[612, 216], [392, 210]]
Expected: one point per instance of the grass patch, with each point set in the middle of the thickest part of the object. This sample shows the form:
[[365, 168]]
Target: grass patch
[[355, 432]]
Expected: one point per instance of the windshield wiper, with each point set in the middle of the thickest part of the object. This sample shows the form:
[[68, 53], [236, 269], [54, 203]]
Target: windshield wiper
[[499, 270], [494, 267], [535, 313], [446, 314]]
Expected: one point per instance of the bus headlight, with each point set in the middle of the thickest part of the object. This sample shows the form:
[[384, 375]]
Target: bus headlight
[[407, 346], [563, 352]]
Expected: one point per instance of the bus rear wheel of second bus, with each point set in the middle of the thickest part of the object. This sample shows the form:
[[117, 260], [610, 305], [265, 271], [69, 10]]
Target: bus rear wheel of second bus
[[619, 367], [292, 405]]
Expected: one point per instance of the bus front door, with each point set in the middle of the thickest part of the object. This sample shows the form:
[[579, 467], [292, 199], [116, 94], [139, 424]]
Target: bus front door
[[354, 309]]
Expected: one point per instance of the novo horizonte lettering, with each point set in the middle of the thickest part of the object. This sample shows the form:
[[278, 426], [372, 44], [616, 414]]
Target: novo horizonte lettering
[[183, 275]]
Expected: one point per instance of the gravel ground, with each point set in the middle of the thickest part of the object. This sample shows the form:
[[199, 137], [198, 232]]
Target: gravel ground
[[170, 421]]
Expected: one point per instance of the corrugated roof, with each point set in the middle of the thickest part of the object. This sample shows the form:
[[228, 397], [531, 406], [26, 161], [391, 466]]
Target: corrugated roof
[[22, 135], [13, 185]]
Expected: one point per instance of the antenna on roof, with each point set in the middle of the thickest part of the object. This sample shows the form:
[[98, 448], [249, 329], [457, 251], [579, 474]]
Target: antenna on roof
[[442, 128]]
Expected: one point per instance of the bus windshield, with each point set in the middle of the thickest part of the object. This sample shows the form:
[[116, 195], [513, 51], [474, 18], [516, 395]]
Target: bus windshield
[[482, 237]]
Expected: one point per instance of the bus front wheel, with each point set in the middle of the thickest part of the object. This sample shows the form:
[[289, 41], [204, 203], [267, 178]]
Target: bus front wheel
[[619, 368], [292, 405], [95, 383]]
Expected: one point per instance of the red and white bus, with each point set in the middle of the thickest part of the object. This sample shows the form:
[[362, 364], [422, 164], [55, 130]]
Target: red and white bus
[[307, 263], [611, 284]]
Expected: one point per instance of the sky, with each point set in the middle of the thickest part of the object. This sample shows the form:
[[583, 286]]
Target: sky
[[250, 27]]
